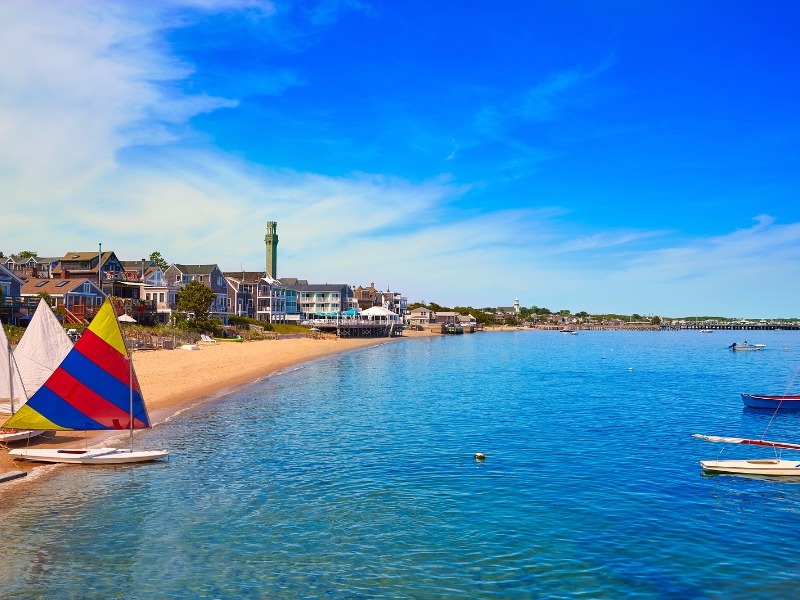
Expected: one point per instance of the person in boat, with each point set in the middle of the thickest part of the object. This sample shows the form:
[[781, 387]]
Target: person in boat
[[745, 343], [732, 346]]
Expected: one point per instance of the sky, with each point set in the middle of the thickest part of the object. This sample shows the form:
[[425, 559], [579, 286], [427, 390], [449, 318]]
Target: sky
[[609, 157]]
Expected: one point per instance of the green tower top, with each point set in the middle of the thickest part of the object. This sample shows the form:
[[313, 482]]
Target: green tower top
[[271, 240]]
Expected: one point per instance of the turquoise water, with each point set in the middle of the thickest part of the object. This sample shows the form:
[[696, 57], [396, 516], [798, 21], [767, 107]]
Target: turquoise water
[[355, 477]]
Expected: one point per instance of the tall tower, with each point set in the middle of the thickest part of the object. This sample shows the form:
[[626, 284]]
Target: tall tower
[[271, 240], [516, 306]]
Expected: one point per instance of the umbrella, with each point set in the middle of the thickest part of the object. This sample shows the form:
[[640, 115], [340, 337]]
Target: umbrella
[[313, 329], [126, 319]]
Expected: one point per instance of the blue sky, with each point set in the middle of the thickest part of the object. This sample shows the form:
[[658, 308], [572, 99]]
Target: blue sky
[[608, 157]]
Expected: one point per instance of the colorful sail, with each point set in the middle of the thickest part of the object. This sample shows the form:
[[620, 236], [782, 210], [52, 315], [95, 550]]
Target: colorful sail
[[93, 388]]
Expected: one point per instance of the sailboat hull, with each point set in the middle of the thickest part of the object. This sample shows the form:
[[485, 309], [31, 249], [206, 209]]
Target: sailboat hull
[[16, 435], [754, 467], [92, 456]]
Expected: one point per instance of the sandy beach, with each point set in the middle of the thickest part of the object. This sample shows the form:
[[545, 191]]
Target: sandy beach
[[173, 380]]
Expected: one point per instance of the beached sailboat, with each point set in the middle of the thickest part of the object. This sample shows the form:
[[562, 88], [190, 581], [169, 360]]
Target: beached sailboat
[[12, 392], [94, 388]]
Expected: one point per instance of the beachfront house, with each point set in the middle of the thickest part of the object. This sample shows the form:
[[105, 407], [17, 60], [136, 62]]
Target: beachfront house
[[32, 266], [420, 316], [243, 292], [78, 299], [320, 299], [369, 296], [467, 321], [271, 302], [12, 304], [103, 268], [447, 317], [178, 275], [149, 303]]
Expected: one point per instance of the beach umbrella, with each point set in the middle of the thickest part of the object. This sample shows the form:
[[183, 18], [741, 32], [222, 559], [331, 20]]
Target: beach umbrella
[[126, 319]]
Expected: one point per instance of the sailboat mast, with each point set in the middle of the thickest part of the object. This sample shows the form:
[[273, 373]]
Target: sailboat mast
[[130, 388], [10, 374]]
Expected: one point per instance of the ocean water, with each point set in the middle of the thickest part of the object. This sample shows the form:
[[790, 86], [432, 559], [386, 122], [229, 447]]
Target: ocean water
[[355, 477]]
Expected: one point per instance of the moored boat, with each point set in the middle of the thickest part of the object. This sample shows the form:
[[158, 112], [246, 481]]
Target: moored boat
[[765, 466], [746, 347], [772, 402]]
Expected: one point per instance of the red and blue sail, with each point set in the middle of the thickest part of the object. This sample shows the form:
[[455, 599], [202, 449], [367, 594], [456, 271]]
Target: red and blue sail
[[93, 388]]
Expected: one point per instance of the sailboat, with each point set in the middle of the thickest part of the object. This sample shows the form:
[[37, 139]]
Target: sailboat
[[12, 392], [760, 466], [94, 388]]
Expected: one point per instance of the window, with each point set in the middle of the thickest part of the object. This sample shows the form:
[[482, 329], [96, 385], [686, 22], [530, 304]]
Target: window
[[62, 283], [41, 283]]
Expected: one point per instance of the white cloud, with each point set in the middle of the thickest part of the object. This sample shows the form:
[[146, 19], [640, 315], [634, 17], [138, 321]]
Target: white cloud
[[96, 146]]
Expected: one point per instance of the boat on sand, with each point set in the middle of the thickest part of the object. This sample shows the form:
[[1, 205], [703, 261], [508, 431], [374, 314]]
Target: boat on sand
[[93, 389]]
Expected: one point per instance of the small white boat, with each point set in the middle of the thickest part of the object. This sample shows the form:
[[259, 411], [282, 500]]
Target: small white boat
[[91, 456], [746, 347], [706, 331], [17, 435], [766, 466]]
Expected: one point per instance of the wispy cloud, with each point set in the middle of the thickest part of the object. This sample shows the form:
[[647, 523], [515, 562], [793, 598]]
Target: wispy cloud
[[97, 144]]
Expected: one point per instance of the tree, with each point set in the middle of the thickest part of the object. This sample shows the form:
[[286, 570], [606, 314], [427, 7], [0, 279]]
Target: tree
[[27, 254], [158, 260], [196, 298]]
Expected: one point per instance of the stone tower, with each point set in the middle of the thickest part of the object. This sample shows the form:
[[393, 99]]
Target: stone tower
[[271, 240], [516, 300]]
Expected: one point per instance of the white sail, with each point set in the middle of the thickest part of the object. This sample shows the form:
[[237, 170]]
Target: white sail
[[42, 348], [12, 392]]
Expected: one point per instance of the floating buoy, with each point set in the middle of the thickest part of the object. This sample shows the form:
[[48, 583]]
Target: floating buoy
[[480, 456], [630, 368]]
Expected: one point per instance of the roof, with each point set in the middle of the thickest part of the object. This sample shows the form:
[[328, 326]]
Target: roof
[[135, 264], [86, 256], [195, 269], [54, 287], [378, 311], [9, 273], [293, 281], [319, 287], [245, 276]]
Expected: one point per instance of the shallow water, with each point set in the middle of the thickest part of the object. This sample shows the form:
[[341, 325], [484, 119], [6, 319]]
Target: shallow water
[[355, 477]]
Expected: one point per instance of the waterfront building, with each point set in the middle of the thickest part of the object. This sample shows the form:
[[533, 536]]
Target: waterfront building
[[33, 266], [322, 299], [79, 299], [178, 275], [369, 296], [421, 316], [272, 300], [11, 301], [243, 292]]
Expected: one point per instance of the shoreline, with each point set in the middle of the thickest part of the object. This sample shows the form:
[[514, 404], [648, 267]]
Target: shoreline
[[173, 382]]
